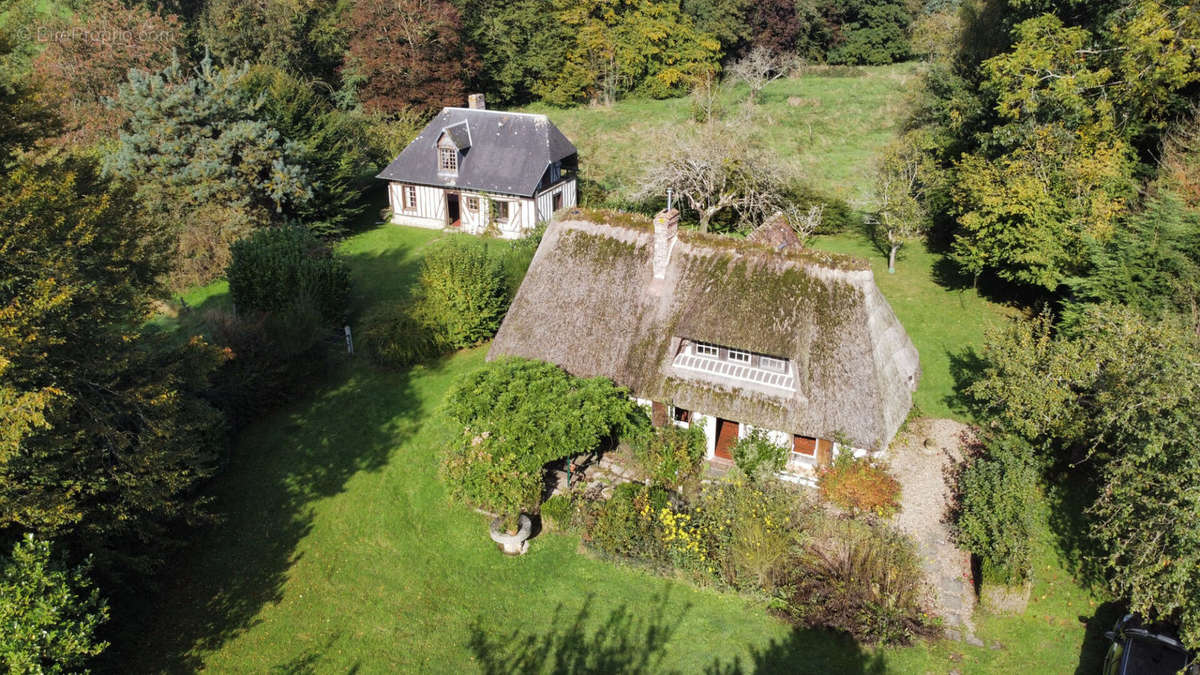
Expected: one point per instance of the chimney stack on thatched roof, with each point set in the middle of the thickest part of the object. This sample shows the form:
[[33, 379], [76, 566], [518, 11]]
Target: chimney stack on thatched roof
[[666, 232], [475, 102]]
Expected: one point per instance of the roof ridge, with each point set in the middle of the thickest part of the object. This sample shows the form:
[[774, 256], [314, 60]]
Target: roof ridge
[[499, 112]]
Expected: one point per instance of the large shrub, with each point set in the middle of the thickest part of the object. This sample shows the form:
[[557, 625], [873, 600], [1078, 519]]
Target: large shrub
[[993, 519], [48, 613], [396, 336], [670, 456], [523, 414], [752, 530], [464, 291], [862, 579], [627, 523], [859, 485], [758, 457], [275, 268]]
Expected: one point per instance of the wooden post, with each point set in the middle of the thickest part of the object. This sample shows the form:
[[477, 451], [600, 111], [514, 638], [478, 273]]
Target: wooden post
[[349, 341]]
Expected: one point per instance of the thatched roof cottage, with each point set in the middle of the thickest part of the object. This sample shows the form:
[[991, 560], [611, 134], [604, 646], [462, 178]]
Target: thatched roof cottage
[[734, 335]]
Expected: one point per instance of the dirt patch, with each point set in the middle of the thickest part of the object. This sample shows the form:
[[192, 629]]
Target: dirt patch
[[923, 459]]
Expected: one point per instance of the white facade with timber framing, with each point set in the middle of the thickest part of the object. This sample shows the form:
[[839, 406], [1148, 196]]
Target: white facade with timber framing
[[730, 335], [477, 170]]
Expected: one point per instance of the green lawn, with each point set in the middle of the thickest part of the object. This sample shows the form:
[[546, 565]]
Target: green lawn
[[339, 551], [828, 129]]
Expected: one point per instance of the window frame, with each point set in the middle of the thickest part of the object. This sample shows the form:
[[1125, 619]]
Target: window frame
[[472, 204], [408, 197], [739, 356], [765, 362], [501, 205], [706, 349], [447, 160]]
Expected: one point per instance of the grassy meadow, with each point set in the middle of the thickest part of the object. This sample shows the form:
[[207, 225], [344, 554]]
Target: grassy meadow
[[827, 126]]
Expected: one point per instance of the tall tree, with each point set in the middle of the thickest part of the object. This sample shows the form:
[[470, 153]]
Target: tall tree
[[900, 191], [520, 44], [302, 36], [207, 164], [408, 54], [95, 49], [623, 46], [104, 435]]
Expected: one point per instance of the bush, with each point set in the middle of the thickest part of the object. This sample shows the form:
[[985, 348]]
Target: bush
[[859, 485], [463, 291], [560, 512], [758, 457], [993, 518], [393, 336], [516, 258], [836, 214], [753, 529], [519, 415], [49, 613], [278, 267], [865, 580], [670, 456], [270, 356], [478, 474], [625, 525]]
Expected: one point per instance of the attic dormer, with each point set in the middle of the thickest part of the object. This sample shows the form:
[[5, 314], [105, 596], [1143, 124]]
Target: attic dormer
[[452, 145]]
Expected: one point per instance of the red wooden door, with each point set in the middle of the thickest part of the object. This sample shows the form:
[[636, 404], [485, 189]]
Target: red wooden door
[[727, 436]]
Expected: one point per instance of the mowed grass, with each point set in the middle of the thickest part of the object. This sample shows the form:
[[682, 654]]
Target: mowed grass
[[827, 126], [339, 551]]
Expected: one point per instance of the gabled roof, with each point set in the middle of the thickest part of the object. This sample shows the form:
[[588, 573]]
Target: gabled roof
[[504, 152], [589, 304]]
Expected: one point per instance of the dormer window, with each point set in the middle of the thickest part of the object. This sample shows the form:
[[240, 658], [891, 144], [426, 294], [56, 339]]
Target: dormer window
[[737, 364], [739, 356], [705, 349], [447, 160]]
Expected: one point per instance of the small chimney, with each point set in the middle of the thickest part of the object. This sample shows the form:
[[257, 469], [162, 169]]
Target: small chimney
[[666, 232], [475, 102]]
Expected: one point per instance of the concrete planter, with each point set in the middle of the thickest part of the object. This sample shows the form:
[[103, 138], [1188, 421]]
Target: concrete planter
[[512, 544], [1000, 599]]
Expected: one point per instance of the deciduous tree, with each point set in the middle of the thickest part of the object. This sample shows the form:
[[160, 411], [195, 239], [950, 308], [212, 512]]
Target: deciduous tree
[[408, 53], [88, 61]]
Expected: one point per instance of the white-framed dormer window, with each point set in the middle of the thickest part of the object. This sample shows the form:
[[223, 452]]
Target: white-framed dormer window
[[739, 356], [501, 208], [705, 349], [772, 364], [448, 160], [409, 199]]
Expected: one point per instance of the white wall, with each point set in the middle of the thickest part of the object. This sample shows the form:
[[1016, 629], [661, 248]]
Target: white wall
[[545, 199], [430, 210]]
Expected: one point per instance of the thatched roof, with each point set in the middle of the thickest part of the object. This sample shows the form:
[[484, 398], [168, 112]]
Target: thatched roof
[[776, 234], [589, 303]]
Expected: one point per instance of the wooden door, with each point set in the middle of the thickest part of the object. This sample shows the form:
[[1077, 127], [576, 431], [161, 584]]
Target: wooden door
[[727, 437], [658, 414], [824, 452]]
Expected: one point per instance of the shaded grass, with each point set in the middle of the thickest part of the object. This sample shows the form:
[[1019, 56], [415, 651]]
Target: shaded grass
[[827, 130]]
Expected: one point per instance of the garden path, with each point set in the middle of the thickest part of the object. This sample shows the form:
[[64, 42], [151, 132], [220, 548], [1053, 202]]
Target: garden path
[[923, 459]]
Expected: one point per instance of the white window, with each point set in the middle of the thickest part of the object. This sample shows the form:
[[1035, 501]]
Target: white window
[[447, 159], [705, 349], [501, 211], [772, 364], [739, 356], [410, 196], [472, 204]]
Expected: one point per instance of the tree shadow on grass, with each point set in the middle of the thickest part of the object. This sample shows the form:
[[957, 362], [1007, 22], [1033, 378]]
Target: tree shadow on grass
[[966, 367], [1069, 495], [634, 641], [213, 590]]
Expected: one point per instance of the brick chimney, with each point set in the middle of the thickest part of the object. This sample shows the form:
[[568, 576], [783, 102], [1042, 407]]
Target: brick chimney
[[666, 232], [475, 102]]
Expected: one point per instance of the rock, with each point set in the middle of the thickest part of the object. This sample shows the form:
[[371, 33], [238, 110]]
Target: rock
[[952, 634], [974, 641], [996, 646]]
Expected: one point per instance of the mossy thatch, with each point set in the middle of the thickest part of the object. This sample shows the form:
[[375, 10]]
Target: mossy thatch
[[589, 303]]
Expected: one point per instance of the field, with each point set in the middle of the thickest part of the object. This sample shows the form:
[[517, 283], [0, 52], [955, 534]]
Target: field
[[826, 126], [339, 551]]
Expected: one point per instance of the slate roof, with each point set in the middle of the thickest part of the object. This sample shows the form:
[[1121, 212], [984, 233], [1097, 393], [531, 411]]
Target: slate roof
[[503, 152], [589, 303]]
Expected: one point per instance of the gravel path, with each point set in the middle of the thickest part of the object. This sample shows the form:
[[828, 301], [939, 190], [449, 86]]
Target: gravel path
[[921, 459]]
